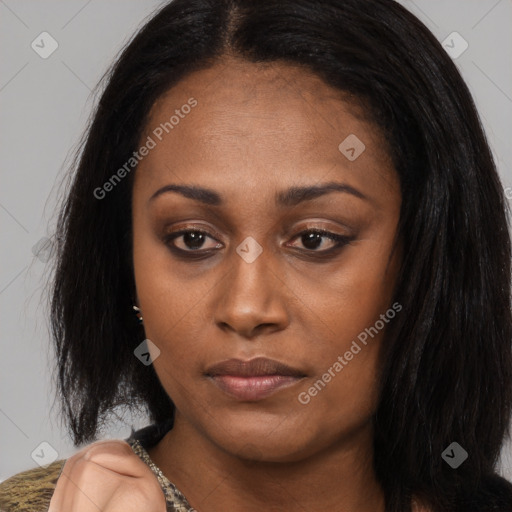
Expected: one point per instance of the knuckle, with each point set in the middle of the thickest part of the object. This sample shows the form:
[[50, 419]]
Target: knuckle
[[112, 455], [108, 448]]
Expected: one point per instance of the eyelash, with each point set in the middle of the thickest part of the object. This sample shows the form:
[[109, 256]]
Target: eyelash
[[341, 241]]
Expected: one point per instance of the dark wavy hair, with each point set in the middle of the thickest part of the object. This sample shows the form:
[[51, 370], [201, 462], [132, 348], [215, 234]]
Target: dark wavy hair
[[446, 368]]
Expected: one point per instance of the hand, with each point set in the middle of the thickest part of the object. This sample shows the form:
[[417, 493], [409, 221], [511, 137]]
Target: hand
[[107, 476]]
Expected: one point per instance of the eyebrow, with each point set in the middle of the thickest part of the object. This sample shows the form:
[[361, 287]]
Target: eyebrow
[[286, 198]]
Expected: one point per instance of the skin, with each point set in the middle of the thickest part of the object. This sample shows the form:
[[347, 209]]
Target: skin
[[106, 476], [258, 129]]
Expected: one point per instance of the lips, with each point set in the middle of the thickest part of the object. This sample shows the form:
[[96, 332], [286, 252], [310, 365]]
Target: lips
[[253, 380]]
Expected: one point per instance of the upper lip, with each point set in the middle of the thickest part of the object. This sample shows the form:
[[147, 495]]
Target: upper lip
[[253, 368]]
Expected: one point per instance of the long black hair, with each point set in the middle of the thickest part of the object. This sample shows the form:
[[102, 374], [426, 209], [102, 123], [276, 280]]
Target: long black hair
[[446, 368]]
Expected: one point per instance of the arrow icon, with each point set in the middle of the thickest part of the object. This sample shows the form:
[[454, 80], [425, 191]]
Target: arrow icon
[[455, 45], [247, 252], [44, 45], [144, 350], [454, 455], [43, 454], [351, 147]]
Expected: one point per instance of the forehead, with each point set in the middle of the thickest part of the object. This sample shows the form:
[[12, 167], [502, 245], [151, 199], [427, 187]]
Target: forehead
[[260, 124]]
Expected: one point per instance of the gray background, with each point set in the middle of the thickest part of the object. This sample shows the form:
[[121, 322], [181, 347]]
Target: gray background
[[45, 104]]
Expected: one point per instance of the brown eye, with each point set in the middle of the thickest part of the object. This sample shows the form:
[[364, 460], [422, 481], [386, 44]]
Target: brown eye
[[192, 240], [312, 239]]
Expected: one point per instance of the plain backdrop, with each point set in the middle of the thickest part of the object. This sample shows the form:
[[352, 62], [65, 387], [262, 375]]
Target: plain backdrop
[[45, 104]]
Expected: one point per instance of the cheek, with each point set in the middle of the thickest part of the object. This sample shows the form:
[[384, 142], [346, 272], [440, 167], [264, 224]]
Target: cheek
[[348, 313], [168, 299], [348, 298]]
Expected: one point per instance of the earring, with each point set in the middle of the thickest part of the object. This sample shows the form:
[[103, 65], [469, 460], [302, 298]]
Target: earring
[[138, 313]]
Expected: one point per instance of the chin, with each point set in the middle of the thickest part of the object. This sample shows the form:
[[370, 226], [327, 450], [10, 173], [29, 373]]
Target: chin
[[265, 442]]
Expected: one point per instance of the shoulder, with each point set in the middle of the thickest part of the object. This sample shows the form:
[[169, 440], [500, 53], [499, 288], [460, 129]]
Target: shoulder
[[31, 490], [493, 494]]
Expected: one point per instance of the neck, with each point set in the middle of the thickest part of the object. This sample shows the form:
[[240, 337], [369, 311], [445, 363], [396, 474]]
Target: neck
[[340, 478]]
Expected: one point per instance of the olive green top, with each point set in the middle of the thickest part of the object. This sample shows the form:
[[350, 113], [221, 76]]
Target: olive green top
[[32, 490]]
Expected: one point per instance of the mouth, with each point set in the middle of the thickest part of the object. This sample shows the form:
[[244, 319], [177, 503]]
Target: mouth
[[253, 380]]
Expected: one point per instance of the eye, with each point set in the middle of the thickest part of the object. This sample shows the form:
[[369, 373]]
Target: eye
[[190, 241], [312, 239]]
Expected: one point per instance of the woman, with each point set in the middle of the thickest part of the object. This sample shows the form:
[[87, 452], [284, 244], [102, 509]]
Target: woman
[[286, 238]]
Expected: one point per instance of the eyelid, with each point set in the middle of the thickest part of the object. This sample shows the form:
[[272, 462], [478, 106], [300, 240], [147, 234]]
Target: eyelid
[[212, 233], [339, 241], [183, 231], [208, 230], [323, 225]]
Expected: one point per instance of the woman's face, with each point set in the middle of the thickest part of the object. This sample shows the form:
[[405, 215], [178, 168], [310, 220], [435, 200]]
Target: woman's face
[[250, 278]]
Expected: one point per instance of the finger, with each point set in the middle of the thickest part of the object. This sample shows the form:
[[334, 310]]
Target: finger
[[91, 478]]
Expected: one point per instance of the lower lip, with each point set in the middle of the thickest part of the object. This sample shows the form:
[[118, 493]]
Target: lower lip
[[253, 388]]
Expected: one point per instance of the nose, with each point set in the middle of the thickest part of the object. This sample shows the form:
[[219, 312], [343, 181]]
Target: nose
[[252, 297]]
